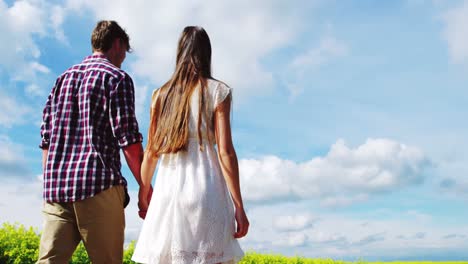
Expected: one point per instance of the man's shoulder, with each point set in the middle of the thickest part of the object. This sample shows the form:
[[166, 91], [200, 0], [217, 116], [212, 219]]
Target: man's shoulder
[[105, 65], [118, 74], [96, 66], [107, 68], [71, 70]]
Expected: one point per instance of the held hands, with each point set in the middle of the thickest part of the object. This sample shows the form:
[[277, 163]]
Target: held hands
[[242, 223], [144, 198]]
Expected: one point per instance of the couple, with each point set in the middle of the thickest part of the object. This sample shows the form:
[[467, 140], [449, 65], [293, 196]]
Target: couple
[[196, 212]]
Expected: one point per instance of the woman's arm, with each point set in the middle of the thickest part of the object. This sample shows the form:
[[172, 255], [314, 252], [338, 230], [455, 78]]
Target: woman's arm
[[148, 167], [149, 163], [229, 164]]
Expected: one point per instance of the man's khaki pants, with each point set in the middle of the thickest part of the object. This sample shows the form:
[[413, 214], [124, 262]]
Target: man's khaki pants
[[99, 221]]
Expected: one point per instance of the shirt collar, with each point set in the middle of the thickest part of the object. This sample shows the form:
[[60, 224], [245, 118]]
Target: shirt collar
[[96, 57]]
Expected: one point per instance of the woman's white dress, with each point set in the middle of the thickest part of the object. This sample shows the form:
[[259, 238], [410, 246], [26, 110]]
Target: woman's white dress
[[191, 215]]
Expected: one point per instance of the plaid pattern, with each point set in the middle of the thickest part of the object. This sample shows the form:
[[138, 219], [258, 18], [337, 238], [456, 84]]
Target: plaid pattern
[[89, 115]]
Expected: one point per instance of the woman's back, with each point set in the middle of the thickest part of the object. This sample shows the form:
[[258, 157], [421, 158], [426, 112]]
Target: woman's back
[[215, 92], [196, 203], [191, 212]]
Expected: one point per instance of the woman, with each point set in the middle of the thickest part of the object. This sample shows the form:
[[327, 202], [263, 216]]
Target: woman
[[197, 200]]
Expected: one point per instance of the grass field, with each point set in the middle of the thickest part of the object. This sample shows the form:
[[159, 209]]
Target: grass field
[[252, 257]]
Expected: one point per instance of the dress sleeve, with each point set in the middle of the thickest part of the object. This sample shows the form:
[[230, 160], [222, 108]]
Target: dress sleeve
[[221, 93]]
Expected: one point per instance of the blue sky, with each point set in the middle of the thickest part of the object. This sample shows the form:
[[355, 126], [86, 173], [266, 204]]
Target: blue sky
[[349, 116]]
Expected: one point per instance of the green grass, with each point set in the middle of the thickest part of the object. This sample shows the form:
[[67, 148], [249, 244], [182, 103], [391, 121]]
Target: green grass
[[19, 245], [253, 257], [420, 262]]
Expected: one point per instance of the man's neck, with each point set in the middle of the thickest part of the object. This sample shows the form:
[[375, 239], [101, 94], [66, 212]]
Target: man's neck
[[99, 53], [110, 58]]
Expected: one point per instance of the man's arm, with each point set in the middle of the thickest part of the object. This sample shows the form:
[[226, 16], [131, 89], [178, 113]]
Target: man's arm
[[45, 152], [134, 156], [45, 128], [125, 126]]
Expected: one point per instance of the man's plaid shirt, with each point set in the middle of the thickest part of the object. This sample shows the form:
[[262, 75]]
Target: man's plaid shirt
[[89, 115]]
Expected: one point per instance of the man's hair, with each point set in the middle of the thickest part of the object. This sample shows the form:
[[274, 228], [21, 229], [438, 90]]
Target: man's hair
[[104, 34]]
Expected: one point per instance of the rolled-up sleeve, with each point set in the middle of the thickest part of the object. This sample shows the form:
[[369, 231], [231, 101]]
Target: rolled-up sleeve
[[45, 125], [122, 113]]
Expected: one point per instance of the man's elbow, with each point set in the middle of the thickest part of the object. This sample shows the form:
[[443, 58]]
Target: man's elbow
[[135, 149]]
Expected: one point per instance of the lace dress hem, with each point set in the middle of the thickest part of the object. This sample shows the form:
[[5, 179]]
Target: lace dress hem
[[185, 258]]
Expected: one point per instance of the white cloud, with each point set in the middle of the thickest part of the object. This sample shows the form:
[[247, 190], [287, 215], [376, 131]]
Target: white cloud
[[455, 186], [326, 51], [39, 67], [12, 159], [454, 236], [420, 217], [451, 176], [20, 25], [10, 152], [241, 32], [26, 16], [34, 89], [142, 95], [456, 32], [419, 235], [17, 25], [13, 112], [342, 176], [370, 239], [57, 18], [21, 202], [293, 222], [344, 200], [338, 234], [292, 240]]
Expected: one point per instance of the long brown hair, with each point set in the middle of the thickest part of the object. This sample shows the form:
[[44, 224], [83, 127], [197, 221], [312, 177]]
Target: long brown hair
[[169, 130]]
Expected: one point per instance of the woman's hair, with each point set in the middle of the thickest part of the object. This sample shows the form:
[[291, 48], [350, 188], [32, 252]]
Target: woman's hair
[[170, 114]]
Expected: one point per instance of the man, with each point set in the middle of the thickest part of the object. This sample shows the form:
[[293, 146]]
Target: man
[[89, 116]]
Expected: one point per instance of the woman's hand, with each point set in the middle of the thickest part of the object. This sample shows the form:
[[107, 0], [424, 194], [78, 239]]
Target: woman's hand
[[242, 223], [144, 198]]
